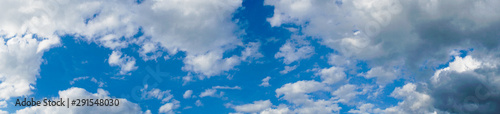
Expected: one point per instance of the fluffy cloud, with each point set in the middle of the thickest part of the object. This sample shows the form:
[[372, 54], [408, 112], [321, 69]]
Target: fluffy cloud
[[383, 76], [265, 82], [126, 63], [187, 94], [169, 105], [288, 69], [256, 106], [210, 64], [331, 75], [384, 34], [19, 65], [297, 94], [295, 49], [125, 106], [169, 108], [212, 92], [468, 85], [202, 29], [394, 38], [346, 93]]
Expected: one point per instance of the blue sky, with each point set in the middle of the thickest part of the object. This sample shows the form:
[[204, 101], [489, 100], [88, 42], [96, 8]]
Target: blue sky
[[252, 56]]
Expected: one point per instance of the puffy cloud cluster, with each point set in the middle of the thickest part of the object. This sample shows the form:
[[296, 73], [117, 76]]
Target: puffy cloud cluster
[[126, 63], [203, 29], [410, 40]]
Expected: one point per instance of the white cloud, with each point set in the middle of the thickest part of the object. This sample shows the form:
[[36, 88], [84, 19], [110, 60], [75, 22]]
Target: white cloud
[[3, 104], [364, 109], [346, 93], [265, 82], [458, 65], [297, 94], [209, 92], [3, 112], [331, 75], [256, 106], [212, 92], [156, 93], [168, 108], [126, 63], [196, 27], [413, 101], [295, 49], [251, 51], [187, 94], [170, 104], [210, 64], [125, 106], [19, 64], [77, 79], [383, 75], [226, 87], [198, 103], [382, 34], [288, 69]]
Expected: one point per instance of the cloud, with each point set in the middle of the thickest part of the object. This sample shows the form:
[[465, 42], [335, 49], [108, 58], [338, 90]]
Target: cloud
[[255, 107], [199, 28], [156, 93], [297, 94], [212, 92], [295, 49], [126, 63], [187, 94], [331, 75], [198, 103], [19, 64], [3, 104], [288, 69], [383, 76], [125, 107], [265, 82], [346, 93], [384, 35], [251, 51], [467, 85], [168, 108], [209, 92], [170, 104], [210, 64]]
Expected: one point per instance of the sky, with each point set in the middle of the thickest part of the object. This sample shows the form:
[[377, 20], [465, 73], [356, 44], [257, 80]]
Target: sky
[[252, 56]]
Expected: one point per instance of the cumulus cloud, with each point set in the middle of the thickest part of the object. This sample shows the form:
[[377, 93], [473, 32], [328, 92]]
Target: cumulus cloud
[[19, 64], [383, 76], [265, 82], [170, 104], [394, 38], [125, 107], [331, 75], [288, 69], [298, 94], [168, 108], [198, 103], [346, 93], [255, 107], [295, 49], [126, 63], [384, 34], [212, 92], [202, 29], [187, 94]]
